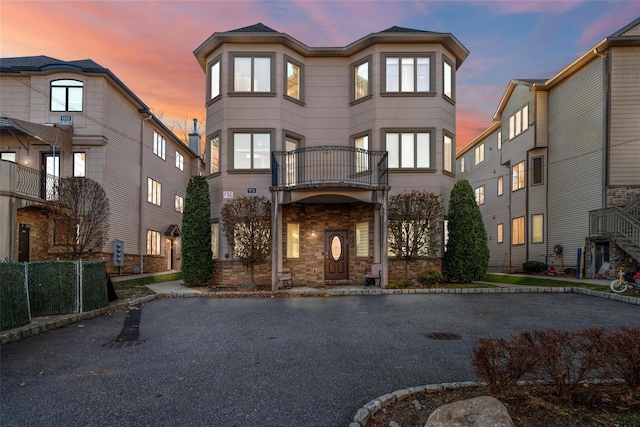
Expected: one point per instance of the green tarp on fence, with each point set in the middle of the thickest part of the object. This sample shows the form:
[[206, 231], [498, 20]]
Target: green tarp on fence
[[53, 287]]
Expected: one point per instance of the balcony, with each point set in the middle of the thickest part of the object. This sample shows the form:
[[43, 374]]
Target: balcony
[[329, 167], [29, 183]]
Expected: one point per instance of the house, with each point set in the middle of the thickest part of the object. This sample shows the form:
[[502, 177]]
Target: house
[[557, 174], [327, 134], [76, 118]]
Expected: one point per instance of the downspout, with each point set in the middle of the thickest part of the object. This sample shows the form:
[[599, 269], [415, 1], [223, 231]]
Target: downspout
[[142, 186]]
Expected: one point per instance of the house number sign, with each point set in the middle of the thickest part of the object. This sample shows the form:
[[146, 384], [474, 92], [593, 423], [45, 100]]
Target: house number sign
[[227, 194], [251, 191]]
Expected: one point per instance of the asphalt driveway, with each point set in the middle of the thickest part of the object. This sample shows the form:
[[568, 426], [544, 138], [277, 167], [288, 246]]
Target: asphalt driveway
[[267, 361]]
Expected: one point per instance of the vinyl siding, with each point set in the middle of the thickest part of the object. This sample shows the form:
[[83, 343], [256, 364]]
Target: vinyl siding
[[122, 168], [575, 168], [624, 152], [541, 115], [537, 195]]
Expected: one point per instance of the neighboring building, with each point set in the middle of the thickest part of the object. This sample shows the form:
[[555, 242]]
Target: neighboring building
[[327, 134], [77, 118], [560, 166]]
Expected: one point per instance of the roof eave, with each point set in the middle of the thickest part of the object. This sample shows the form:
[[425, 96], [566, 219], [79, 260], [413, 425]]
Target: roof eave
[[485, 133]]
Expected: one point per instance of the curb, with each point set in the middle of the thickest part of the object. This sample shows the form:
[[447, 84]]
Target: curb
[[369, 409], [31, 330]]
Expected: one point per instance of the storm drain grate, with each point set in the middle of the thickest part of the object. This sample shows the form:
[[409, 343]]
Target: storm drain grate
[[442, 336]]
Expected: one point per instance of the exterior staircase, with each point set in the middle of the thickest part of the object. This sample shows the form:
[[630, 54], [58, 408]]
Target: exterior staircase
[[620, 225]]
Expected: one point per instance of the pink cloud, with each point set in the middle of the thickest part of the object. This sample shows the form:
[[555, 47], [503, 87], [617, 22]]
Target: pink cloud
[[469, 124], [526, 6], [608, 23]]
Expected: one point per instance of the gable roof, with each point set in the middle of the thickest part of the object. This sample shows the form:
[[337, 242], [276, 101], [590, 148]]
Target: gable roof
[[261, 34]]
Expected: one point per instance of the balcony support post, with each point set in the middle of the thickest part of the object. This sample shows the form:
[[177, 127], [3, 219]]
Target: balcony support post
[[276, 236]]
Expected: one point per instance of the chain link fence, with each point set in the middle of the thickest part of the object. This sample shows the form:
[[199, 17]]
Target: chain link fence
[[48, 288]]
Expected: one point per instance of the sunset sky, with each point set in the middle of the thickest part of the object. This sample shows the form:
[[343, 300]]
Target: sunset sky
[[149, 44]]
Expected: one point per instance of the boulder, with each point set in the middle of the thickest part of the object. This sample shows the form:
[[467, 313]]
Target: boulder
[[480, 411]]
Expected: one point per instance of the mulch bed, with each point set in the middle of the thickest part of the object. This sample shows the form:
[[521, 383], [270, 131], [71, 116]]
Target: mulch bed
[[528, 406]]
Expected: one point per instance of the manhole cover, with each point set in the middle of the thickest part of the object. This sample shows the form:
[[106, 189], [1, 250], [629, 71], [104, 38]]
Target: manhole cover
[[442, 336]]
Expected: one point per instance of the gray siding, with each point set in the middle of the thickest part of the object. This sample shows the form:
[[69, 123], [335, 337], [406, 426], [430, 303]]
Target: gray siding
[[576, 129], [624, 140]]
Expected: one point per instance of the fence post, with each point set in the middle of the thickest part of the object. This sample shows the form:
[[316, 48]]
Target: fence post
[[26, 288], [79, 308]]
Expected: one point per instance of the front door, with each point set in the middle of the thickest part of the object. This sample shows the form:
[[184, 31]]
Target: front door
[[23, 243], [336, 251]]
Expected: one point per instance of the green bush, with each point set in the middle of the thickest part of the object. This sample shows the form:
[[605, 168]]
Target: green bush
[[197, 264], [466, 258], [429, 278], [402, 284], [534, 267]]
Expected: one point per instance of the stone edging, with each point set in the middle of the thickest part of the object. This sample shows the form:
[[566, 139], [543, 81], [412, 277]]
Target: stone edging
[[66, 320], [369, 409]]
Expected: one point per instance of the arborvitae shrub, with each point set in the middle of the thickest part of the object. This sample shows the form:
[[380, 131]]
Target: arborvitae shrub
[[467, 252], [197, 263]]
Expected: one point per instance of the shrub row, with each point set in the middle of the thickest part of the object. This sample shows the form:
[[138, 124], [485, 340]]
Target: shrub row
[[425, 279], [563, 358]]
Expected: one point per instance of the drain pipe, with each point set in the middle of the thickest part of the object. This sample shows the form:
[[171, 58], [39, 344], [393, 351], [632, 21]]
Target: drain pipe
[[146, 116]]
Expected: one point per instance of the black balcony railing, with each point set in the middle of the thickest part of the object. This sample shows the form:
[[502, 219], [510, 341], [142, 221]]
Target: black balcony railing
[[329, 166]]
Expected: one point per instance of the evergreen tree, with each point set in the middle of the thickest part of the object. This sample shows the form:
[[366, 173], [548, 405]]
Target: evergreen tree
[[467, 252], [197, 264]]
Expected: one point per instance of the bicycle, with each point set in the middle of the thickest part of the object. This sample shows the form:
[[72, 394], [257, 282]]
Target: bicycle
[[620, 284]]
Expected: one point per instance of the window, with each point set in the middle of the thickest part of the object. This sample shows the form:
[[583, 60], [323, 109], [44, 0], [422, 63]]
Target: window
[[153, 242], [179, 161], [409, 149], [517, 176], [479, 154], [362, 158], [500, 190], [66, 95], [214, 78], [214, 154], [462, 164], [293, 79], [536, 171], [361, 78], [362, 239], [251, 150], [215, 249], [293, 240], [449, 78], [154, 191], [291, 143], [159, 145], [479, 192], [449, 155], [79, 164], [537, 224], [519, 122], [252, 73], [517, 231], [499, 140], [179, 204], [500, 236], [9, 156], [407, 73], [65, 231]]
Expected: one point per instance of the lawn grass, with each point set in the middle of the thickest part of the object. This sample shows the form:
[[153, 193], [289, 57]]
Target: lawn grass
[[136, 288]]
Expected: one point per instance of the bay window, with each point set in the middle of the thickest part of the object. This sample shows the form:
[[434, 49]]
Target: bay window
[[409, 149], [407, 73]]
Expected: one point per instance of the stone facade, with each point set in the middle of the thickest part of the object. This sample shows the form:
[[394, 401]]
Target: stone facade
[[621, 196]]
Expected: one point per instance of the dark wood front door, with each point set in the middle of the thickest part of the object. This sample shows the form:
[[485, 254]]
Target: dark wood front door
[[23, 243], [336, 251]]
